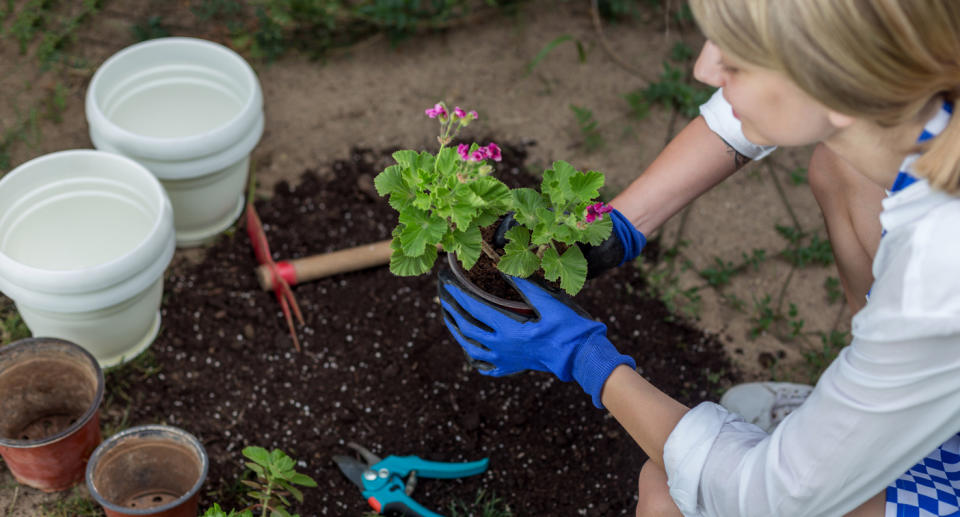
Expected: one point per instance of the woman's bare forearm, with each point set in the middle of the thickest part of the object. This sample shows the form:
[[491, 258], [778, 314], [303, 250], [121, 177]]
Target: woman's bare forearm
[[647, 414], [692, 163]]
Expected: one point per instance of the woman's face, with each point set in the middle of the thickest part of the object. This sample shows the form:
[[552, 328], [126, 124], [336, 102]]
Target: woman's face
[[772, 110]]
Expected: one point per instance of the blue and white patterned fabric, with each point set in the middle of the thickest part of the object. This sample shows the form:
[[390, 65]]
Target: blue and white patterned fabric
[[932, 486], [929, 488]]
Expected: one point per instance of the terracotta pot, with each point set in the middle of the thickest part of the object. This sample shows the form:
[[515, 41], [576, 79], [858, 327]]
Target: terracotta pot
[[148, 470], [518, 307], [50, 394]]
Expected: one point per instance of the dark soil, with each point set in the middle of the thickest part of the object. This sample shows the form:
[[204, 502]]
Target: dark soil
[[379, 368]]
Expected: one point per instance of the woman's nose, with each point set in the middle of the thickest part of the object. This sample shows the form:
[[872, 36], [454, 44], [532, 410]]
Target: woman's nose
[[708, 69]]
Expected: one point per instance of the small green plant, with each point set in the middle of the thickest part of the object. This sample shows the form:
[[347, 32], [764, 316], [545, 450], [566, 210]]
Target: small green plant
[[763, 316], [276, 480], [819, 359], [816, 251], [587, 124], [74, 505], [581, 52], [12, 326], [672, 91], [798, 176], [445, 199], [834, 290], [148, 29], [484, 505]]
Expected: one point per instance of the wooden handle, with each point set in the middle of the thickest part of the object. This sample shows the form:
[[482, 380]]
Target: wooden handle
[[326, 264]]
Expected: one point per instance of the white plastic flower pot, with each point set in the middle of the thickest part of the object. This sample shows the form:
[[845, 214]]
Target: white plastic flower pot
[[85, 237], [190, 111]]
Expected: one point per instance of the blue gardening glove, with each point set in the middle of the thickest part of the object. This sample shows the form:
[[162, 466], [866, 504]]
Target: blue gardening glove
[[623, 245], [558, 337]]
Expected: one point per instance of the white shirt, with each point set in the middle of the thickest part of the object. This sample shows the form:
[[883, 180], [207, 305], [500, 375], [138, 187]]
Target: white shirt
[[888, 399]]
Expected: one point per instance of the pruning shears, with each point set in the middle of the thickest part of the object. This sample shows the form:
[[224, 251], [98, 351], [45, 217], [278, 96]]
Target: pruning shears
[[381, 480]]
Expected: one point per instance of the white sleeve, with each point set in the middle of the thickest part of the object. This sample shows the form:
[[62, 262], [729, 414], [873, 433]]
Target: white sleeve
[[887, 401], [719, 118]]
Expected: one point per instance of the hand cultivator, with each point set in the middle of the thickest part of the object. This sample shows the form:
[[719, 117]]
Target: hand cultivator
[[279, 276], [380, 480]]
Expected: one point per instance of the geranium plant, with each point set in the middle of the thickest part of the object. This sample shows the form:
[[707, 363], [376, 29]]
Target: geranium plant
[[442, 199], [445, 199], [552, 222]]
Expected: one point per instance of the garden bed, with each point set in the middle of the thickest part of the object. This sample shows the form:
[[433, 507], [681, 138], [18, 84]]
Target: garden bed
[[379, 368]]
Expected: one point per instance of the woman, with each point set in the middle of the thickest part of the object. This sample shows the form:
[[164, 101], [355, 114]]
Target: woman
[[872, 83]]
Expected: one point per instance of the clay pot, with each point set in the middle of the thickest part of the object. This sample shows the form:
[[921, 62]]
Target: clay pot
[[148, 470], [50, 394], [517, 307]]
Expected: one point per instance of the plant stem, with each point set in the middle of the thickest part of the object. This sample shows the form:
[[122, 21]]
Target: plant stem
[[266, 498], [489, 251]]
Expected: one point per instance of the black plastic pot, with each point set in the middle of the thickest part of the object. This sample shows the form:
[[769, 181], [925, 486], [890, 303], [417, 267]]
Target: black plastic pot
[[457, 270]]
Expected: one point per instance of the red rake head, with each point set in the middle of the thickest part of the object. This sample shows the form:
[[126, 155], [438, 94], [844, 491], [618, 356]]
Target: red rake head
[[281, 289]]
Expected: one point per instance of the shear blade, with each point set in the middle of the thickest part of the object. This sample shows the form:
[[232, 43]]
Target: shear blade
[[352, 469]]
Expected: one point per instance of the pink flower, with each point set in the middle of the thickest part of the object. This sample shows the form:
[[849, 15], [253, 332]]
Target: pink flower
[[474, 115], [492, 151], [464, 151], [458, 111], [596, 211], [479, 155], [436, 111]]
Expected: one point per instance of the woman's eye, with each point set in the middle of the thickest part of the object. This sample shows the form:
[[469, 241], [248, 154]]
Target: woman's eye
[[730, 69]]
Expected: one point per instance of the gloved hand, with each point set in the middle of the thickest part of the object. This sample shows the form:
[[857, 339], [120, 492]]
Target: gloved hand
[[558, 337], [623, 245]]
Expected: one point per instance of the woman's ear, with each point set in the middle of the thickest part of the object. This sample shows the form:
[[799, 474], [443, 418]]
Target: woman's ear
[[839, 120]]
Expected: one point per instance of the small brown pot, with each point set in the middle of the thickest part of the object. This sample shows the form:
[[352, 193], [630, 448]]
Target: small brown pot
[[518, 307], [148, 470], [50, 394]]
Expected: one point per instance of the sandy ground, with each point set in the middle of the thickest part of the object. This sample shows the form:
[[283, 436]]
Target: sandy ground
[[373, 95]]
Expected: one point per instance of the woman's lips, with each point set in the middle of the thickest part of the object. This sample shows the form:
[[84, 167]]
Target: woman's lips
[[734, 113]]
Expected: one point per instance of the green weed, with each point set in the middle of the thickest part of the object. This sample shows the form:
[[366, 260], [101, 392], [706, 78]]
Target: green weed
[[484, 505], [681, 52], [672, 91], [74, 505], [798, 176], [151, 28], [763, 316], [581, 52], [819, 359], [721, 272], [12, 327], [587, 124], [802, 252], [834, 290]]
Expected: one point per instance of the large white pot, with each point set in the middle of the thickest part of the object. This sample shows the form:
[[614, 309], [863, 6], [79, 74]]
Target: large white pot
[[85, 237], [190, 111]]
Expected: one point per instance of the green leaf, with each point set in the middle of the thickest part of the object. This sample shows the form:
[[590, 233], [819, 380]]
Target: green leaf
[[280, 461], [407, 159], [447, 161], [257, 454], [527, 203], [257, 469], [303, 480], [294, 491], [518, 259], [467, 245], [487, 217], [570, 268], [419, 231], [405, 265], [556, 183], [597, 232], [495, 194], [391, 182], [586, 186]]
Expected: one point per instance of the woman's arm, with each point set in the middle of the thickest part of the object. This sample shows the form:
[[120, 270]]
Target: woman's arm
[[692, 163], [647, 414]]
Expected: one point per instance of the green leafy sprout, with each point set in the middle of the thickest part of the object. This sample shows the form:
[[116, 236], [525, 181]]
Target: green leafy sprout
[[444, 201], [276, 480]]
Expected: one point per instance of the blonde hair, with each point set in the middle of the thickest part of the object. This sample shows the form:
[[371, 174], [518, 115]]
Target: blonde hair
[[883, 60]]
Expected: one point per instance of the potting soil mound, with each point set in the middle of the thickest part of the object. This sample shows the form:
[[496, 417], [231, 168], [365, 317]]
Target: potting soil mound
[[379, 368]]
